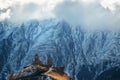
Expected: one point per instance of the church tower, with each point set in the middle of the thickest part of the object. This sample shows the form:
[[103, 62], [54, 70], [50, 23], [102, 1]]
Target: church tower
[[36, 60]]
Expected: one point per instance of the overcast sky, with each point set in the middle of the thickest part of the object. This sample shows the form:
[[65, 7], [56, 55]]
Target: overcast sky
[[86, 13]]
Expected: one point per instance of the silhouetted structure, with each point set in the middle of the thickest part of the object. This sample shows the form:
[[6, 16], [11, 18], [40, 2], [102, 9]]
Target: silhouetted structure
[[49, 61], [39, 71], [36, 60]]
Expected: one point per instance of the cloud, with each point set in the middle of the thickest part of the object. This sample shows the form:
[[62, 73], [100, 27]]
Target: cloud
[[5, 15], [91, 14], [28, 9], [112, 5], [4, 10]]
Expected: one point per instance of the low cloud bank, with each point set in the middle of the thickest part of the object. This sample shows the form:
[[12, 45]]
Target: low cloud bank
[[92, 14]]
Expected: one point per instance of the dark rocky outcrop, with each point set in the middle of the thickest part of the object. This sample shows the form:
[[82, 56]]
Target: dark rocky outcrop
[[38, 71]]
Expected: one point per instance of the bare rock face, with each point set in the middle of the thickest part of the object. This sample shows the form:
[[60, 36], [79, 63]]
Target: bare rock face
[[92, 53], [39, 71], [57, 73]]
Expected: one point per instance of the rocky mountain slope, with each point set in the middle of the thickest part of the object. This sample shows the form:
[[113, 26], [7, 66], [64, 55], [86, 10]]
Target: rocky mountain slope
[[86, 55]]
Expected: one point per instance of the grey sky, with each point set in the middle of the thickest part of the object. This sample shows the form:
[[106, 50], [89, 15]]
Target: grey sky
[[90, 14]]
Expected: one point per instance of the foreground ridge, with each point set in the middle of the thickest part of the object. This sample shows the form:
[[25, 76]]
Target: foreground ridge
[[39, 71]]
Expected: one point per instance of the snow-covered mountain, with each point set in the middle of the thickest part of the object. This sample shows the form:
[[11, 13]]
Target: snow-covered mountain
[[86, 55]]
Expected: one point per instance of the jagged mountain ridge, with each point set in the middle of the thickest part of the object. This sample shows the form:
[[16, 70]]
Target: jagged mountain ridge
[[86, 55]]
